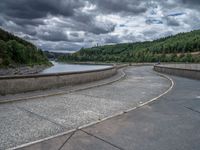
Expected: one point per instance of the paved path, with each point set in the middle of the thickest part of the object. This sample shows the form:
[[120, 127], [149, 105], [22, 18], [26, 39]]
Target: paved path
[[27, 121], [170, 123]]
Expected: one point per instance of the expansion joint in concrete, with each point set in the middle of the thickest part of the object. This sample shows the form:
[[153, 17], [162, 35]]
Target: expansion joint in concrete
[[193, 109], [60, 148], [41, 117], [113, 145]]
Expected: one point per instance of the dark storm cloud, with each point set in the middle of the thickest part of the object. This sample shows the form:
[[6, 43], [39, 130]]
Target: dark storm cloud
[[24, 22], [32, 9], [176, 14], [87, 23], [74, 34], [72, 24], [59, 35], [112, 39], [1, 21], [170, 4], [172, 21], [154, 21], [149, 32], [102, 29], [193, 2], [118, 6], [53, 36]]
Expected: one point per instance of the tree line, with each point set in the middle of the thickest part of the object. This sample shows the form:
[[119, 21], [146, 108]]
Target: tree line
[[15, 51], [178, 48]]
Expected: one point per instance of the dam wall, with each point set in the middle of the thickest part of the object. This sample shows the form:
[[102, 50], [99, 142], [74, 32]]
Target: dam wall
[[26, 83], [184, 70]]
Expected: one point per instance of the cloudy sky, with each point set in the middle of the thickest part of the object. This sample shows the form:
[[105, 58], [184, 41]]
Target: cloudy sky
[[71, 24]]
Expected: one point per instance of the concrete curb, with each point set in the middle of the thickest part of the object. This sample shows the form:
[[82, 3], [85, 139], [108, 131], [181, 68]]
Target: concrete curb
[[106, 118]]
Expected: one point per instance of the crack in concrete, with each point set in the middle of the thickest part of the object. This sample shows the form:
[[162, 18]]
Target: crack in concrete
[[41, 117], [192, 109], [67, 140], [105, 141]]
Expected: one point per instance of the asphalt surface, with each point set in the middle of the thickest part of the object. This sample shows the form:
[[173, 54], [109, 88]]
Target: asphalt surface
[[30, 120], [169, 123]]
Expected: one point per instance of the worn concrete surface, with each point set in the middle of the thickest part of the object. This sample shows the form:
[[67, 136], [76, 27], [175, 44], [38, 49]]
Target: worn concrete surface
[[170, 123], [31, 120]]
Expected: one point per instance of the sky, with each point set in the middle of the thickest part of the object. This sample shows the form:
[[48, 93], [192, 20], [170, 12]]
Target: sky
[[68, 25]]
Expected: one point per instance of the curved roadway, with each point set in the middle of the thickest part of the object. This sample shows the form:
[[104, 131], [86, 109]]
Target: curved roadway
[[31, 120]]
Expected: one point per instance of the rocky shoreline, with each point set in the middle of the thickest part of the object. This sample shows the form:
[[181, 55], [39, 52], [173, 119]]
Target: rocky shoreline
[[22, 70]]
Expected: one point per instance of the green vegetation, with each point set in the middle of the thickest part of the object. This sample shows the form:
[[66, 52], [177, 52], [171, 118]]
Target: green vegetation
[[15, 51], [178, 48]]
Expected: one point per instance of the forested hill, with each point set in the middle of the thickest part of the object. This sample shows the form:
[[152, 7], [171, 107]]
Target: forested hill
[[15, 51], [178, 48]]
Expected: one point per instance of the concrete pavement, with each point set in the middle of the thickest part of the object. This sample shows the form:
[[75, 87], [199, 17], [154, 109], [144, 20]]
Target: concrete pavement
[[170, 123], [31, 120]]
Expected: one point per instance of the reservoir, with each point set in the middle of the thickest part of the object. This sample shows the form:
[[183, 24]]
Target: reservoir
[[64, 67]]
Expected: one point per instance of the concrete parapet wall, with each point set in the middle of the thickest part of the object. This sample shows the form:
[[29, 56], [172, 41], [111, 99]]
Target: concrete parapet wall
[[19, 84], [181, 71], [133, 64]]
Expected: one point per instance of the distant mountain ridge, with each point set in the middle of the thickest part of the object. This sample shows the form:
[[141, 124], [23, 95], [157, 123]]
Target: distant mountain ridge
[[177, 48], [15, 51]]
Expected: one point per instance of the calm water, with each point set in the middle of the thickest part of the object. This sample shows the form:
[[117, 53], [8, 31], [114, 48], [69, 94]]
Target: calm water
[[63, 67]]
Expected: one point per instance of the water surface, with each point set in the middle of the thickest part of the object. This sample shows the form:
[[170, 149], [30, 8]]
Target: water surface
[[64, 67]]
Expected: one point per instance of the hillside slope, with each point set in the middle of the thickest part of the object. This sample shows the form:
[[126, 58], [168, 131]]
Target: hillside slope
[[15, 51], [176, 48]]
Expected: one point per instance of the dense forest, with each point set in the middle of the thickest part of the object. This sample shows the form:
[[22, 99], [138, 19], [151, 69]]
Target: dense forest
[[178, 48], [15, 51]]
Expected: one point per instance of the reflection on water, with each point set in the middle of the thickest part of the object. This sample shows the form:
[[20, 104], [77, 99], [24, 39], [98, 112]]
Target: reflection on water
[[63, 67]]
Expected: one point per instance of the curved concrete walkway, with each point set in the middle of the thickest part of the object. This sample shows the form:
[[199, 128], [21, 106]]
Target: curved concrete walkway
[[170, 123], [26, 121]]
